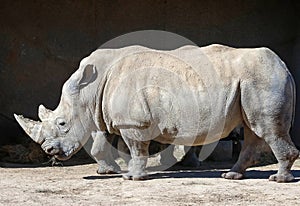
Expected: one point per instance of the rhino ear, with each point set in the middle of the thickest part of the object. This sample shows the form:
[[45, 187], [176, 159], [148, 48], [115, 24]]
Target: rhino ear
[[81, 79], [89, 75], [44, 113]]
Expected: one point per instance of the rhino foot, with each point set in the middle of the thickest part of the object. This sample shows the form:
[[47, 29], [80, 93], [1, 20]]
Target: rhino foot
[[282, 177], [102, 171], [233, 175], [105, 168], [135, 176]]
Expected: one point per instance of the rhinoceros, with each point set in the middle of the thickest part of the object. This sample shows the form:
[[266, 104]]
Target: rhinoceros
[[189, 96]]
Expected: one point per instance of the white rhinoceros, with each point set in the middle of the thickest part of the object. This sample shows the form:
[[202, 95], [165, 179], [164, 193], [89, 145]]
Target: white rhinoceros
[[189, 96]]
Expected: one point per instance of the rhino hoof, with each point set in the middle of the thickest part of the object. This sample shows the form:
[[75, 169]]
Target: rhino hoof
[[101, 172], [233, 175], [135, 177], [282, 178], [106, 170]]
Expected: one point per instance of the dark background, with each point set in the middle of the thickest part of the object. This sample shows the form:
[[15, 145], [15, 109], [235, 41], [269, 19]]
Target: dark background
[[42, 42]]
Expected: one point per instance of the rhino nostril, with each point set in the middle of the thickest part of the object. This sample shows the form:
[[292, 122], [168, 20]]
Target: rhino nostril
[[49, 150]]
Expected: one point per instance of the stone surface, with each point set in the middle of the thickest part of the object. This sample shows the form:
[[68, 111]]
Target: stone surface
[[42, 42]]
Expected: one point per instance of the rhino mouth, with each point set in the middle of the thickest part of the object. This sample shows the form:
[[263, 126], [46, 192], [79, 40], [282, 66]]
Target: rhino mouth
[[62, 157], [56, 152], [65, 155]]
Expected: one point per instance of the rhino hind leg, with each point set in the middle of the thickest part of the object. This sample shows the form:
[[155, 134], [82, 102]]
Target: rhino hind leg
[[282, 147], [139, 155], [286, 154], [252, 148]]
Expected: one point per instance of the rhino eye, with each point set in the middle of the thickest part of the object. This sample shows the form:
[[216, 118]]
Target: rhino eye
[[62, 124]]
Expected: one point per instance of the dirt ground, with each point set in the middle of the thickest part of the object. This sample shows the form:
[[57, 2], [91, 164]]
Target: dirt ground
[[80, 185]]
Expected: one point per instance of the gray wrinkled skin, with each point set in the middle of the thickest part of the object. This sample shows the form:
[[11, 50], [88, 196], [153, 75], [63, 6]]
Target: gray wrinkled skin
[[103, 154], [189, 96]]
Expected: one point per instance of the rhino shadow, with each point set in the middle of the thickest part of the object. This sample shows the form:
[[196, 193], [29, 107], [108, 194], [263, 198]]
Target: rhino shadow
[[102, 177], [252, 174]]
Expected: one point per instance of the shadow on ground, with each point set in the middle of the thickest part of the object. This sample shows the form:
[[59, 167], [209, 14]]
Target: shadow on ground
[[251, 174]]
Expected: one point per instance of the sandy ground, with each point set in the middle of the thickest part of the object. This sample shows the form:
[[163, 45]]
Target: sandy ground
[[80, 185]]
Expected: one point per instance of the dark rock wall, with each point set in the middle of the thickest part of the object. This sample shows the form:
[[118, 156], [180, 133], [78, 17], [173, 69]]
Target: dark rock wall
[[42, 42]]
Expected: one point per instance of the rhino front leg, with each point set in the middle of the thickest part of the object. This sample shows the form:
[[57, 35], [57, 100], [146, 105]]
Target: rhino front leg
[[102, 151], [139, 155]]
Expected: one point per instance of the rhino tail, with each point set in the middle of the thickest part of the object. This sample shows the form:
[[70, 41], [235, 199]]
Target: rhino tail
[[293, 87]]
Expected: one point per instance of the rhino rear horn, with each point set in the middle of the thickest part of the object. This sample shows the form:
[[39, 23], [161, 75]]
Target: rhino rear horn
[[32, 128], [44, 113]]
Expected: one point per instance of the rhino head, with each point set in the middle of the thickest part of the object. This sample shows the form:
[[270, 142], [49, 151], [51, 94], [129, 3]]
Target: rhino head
[[65, 130]]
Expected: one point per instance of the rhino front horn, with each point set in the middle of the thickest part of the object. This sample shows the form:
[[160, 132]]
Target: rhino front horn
[[32, 128]]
